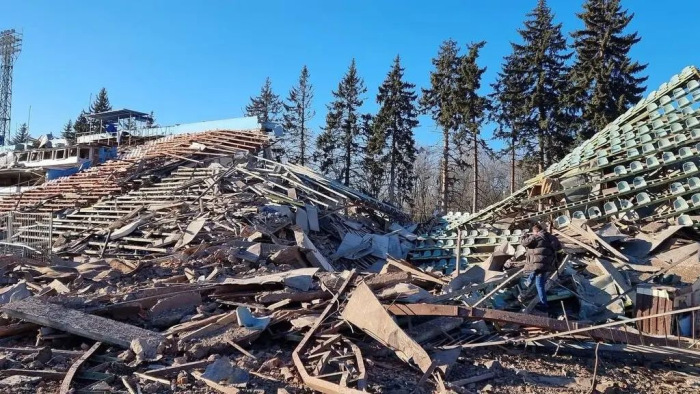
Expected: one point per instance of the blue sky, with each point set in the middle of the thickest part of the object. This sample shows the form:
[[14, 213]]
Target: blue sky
[[201, 60]]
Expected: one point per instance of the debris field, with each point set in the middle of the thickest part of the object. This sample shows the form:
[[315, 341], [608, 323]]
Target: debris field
[[193, 263]]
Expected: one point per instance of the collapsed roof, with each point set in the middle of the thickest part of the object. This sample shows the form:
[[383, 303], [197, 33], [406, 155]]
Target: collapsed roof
[[642, 166]]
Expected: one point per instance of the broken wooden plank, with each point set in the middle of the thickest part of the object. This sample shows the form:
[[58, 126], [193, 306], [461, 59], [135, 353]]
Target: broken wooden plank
[[474, 379], [130, 389], [152, 378], [177, 368], [312, 381], [316, 257], [65, 385], [191, 232], [240, 348], [606, 245], [617, 277], [601, 332], [98, 328], [366, 312], [42, 373], [16, 329], [577, 242], [32, 350], [393, 265]]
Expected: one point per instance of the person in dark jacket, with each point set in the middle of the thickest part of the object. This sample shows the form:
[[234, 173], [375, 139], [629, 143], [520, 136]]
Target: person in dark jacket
[[542, 256]]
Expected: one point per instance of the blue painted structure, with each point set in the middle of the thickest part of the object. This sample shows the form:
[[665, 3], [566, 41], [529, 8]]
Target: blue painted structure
[[104, 153]]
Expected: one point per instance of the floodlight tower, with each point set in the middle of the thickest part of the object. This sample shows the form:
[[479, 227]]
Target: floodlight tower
[[10, 46]]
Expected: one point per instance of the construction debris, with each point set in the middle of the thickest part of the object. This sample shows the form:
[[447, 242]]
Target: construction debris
[[195, 263]]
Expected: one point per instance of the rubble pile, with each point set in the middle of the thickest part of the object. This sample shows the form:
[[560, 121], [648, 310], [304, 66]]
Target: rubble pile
[[219, 270]]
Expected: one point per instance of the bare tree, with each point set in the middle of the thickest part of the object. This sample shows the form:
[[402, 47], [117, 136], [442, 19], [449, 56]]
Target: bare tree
[[425, 193]]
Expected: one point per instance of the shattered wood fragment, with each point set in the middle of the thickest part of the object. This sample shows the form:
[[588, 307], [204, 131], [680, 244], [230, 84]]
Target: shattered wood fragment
[[16, 329], [152, 378], [315, 257], [299, 279], [315, 382], [240, 349], [364, 311], [191, 232], [42, 373], [434, 328], [177, 368], [617, 277], [323, 346], [381, 281], [393, 265], [128, 387], [474, 379], [65, 385], [75, 322], [293, 296]]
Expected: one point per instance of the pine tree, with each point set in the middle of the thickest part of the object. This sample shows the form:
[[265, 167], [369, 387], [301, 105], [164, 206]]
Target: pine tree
[[472, 109], [509, 111], [394, 124], [68, 133], [338, 146], [22, 136], [373, 164], [605, 79], [535, 89], [101, 103], [267, 106], [81, 125], [297, 115], [439, 101]]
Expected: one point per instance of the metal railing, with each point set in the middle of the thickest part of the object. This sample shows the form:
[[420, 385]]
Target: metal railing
[[26, 234]]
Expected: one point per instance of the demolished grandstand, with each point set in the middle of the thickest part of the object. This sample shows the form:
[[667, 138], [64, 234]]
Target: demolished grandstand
[[193, 261]]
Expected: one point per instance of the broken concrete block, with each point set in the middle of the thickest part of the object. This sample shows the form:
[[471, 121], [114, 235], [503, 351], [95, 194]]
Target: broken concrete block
[[145, 348], [224, 371]]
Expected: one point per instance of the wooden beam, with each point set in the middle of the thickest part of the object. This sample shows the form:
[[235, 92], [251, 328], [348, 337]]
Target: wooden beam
[[98, 328], [177, 368], [617, 277], [577, 242], [601, 332]]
